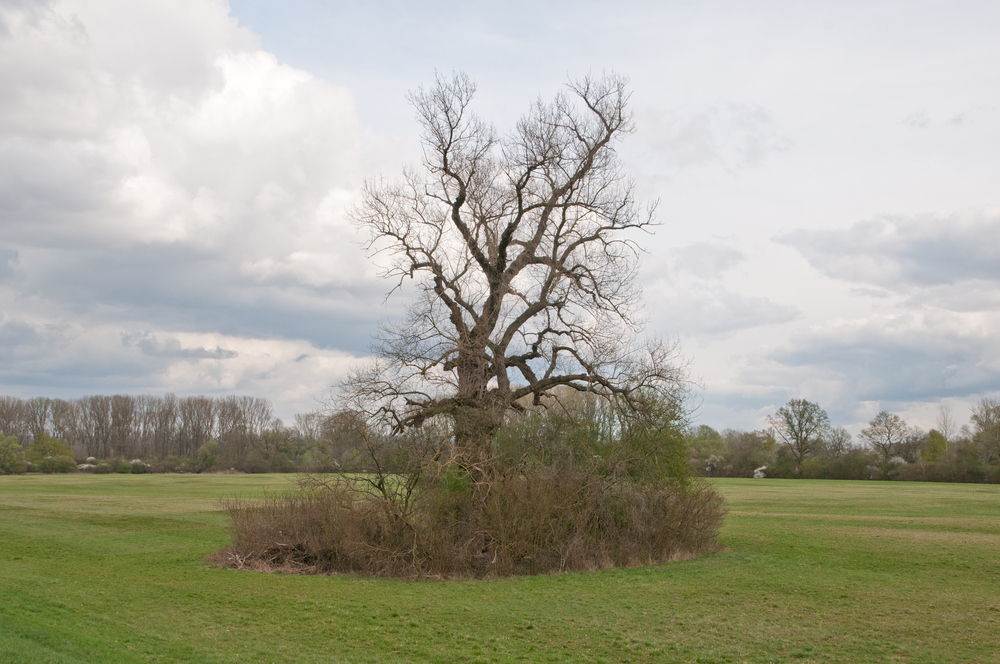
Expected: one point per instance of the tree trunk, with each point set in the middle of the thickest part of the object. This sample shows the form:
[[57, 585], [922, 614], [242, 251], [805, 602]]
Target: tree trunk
[[476, 419]]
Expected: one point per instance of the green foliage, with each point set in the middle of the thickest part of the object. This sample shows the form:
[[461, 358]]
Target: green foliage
[[801, 425], [707, 442], [785, 463], [586, 434], [749, 450], [206, 455], [47, 446], [50, 455], [935, 447], [455, 480], [11, 456]]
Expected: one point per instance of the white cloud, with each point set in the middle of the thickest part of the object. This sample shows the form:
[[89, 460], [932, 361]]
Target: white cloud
[[687, 292], [158, 169], [733, 136], [70, 359]]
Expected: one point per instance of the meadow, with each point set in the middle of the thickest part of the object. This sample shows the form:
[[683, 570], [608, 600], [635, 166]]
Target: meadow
[[110, 568]]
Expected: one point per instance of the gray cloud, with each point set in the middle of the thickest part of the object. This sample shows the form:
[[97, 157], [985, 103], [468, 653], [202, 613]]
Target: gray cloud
[[686, 293], [707, 260], [906, 253], [8, 260], [715, 310], [149, 344], [905, 358]]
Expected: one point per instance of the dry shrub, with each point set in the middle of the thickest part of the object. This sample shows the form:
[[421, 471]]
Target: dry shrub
[[510, 521]]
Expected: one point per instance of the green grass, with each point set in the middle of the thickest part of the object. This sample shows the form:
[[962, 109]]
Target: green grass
[[109, 568]]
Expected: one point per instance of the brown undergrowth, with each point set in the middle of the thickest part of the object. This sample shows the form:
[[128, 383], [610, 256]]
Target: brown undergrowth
[[513, 521]]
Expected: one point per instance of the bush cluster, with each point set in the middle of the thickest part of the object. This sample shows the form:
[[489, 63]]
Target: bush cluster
[[559, 492], [518, 522]]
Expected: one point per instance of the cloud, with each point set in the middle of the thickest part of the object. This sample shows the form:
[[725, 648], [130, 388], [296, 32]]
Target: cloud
[[71, 360], [707, 260], [887, 359], [715, 310], [165, 184], [733, 136], [686, 291], [904, 254], [149, 344]]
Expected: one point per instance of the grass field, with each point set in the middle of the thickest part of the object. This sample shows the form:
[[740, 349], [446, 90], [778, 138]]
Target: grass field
[[108, 568]]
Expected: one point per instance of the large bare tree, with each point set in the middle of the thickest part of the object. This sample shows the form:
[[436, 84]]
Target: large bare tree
[[526, 278]]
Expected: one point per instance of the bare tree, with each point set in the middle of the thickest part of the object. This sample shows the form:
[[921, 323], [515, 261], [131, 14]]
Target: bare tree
[[946, 423], [39, 410], [838, 441], [801, 425], [986, 437], [95, 425], [124, 425], [64, 422], [525, 282], [15, 419], [197, 424], [164, 426], [885, 432]]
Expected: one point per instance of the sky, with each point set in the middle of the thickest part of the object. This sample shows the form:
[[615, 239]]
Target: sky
[[176, 178]]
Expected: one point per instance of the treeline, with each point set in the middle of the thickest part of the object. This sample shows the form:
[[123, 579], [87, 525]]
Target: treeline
[[144, 433], [170, 433], [801, 443]]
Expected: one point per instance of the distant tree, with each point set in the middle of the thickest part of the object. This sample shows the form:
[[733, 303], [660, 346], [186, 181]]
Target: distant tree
[[912, 445], [748, 450], [206, 455], [707, 442], [64, 421], [986, 433], [39, 413], [47, 446], [946, 423], [11, 455], [197, 424], [838, 442], [14, 419], [936, 446], [123, 432], [801, 425], [884, 433], [51, 455]]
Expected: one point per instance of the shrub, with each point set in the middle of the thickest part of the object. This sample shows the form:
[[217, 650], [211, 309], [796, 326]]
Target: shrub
[[46, 446], [520, 522], [207, 454], [172, 464], [50, 455], [579, 487], [56, 464], [11, 456]]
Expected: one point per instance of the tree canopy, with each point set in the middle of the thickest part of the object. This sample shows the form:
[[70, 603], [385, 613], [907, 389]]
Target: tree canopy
[[801, 425], [526, 282]]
